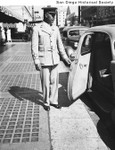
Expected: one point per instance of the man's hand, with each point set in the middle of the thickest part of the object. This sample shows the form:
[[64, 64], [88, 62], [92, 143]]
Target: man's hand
[[68, 61], [72, 57], [38, 67]]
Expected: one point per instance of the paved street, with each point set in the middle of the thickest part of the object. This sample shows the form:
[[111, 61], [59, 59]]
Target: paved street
[[24, 124]]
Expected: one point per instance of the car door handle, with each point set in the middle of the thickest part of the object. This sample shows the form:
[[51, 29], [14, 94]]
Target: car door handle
[[82, 65], [85, 65], [105, 75]]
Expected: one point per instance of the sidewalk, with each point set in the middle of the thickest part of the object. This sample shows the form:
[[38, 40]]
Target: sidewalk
[[24, 122]]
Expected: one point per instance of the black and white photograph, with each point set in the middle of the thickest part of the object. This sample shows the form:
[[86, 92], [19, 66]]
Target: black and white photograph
[[57, 75]]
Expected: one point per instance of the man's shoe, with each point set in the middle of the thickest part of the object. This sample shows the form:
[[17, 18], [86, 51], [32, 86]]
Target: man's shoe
[[56, 106], [46, 107]]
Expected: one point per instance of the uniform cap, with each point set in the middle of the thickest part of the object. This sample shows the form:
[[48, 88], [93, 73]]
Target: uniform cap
[[50, 10]]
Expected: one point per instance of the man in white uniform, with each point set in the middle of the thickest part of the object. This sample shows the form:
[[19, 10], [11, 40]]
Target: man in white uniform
[[47, 48]]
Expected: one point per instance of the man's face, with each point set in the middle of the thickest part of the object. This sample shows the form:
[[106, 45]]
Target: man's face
[[50, 18]]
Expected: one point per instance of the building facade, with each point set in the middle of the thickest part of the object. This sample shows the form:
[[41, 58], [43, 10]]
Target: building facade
[[15, 18], [61, 16], [97, 15], [25, 12]]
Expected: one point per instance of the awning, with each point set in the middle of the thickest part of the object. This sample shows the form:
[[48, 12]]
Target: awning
[[9, 25], [38, 21], [9, 16]]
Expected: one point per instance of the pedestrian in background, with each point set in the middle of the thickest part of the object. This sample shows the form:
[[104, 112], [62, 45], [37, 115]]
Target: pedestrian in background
[[47, 48], [8, 33], [2, 36]]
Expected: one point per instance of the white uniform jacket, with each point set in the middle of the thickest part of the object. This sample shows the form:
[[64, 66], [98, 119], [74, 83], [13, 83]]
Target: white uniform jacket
[[47, 46]]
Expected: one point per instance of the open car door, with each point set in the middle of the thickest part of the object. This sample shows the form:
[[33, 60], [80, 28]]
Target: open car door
[[78, 75]]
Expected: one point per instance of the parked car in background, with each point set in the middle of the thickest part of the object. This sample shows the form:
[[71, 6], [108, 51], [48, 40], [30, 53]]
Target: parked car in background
[[61, 30], [70, 38], [93, 70]]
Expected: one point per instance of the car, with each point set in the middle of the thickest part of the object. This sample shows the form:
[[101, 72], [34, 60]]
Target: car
[[61, 30], [70, 38], [93, 70]]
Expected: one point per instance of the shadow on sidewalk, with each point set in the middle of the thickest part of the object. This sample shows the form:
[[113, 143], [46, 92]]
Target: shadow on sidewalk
[[22, 93], [104, 126], [32, 95], [5, 47]]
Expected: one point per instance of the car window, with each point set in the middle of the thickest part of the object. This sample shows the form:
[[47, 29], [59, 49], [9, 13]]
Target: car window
[[73, 32], [86, 46], [101, 40], [99, 37]]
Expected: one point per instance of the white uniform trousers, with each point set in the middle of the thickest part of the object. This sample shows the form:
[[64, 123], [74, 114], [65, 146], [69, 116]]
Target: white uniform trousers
[[49, 80]]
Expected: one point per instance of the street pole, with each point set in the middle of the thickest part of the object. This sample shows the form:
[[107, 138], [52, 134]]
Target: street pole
[[32, 13], [79, 15]]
